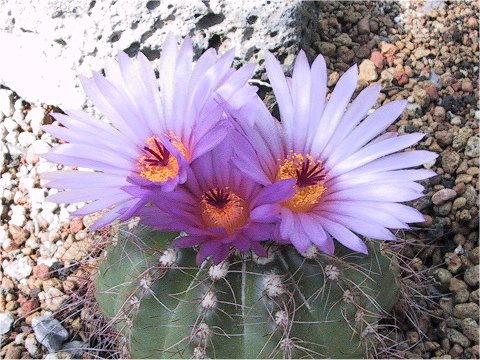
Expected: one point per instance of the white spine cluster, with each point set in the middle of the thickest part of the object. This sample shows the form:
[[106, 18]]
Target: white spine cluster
[[209, 300], [274, 285], [271, 253], [287, 345], [199, 353], [201, 334], [332, 272], [348, 297], [311, 253], [168, 258], [220, 271], [281, 319]]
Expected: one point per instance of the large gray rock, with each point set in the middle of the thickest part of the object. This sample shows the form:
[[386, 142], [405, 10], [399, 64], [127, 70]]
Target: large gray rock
[[49, 332], [6, 322], [46, 44]]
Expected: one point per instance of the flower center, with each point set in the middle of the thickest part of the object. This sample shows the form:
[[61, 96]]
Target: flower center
[[224, 209], [157, 163], [310, 184]]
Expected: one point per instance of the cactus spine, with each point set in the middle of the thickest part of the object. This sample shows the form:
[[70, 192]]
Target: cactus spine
[[287, 305]]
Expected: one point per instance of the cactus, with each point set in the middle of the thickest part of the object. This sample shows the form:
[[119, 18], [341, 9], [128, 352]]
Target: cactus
[[287, 305]]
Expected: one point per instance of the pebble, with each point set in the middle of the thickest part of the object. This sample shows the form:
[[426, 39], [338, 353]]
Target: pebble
[[37, 197], [367, 71], [10, 125], [12, 351], [18, 215], [6, 102], [439, 114], [468, 310], [49, 332], [421, 52], [442, 196], [459, 203], [443, 276], [377, 58], [471, 275], [35, 118], [457, 285], [343, 39], [326, 48], [450, 161], [462, 137], [401, 77], [456, 120], [18, 269], [453, 261], [472, 149], [18, 234], [457, 337], [470, 329], [6, 322], [58, 355], [467, 85], [421, 97], [388, 49], [25, 139], [363, 26], [75, 348], [53, 298], [31, 345]]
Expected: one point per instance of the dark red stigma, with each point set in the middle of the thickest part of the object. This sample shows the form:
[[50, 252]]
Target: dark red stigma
[[161, 154], [309, 175], [217, 197]]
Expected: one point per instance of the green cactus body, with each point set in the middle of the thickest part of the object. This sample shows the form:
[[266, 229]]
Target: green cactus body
[[286, 305]]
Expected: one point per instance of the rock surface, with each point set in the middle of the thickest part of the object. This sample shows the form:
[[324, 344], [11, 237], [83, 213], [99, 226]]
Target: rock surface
[[46, 44]]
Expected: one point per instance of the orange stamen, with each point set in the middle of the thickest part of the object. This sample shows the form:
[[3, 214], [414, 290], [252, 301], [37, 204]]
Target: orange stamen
[[157, 164], [222, 208], [310, 184]]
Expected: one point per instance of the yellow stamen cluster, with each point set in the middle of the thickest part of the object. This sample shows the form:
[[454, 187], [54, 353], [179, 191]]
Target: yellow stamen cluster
[[158, 167], [306, 197], [229, 212]]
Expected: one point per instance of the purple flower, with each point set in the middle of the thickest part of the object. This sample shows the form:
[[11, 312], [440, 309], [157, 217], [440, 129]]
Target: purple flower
[[153, 136], [349, 180], [218, 207]]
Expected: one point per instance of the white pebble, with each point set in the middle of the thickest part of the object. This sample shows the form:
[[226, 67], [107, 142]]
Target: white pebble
[[11, 138], [10, 125], [26, 181], [18, 215], [25, 138], [6, 322], [37, 197], [20, 339], [39, 147], [35, 118], [6, 102], [18, 116], [47, 215], [3, 235], [18, 105], [18, 269], [31, 345]]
